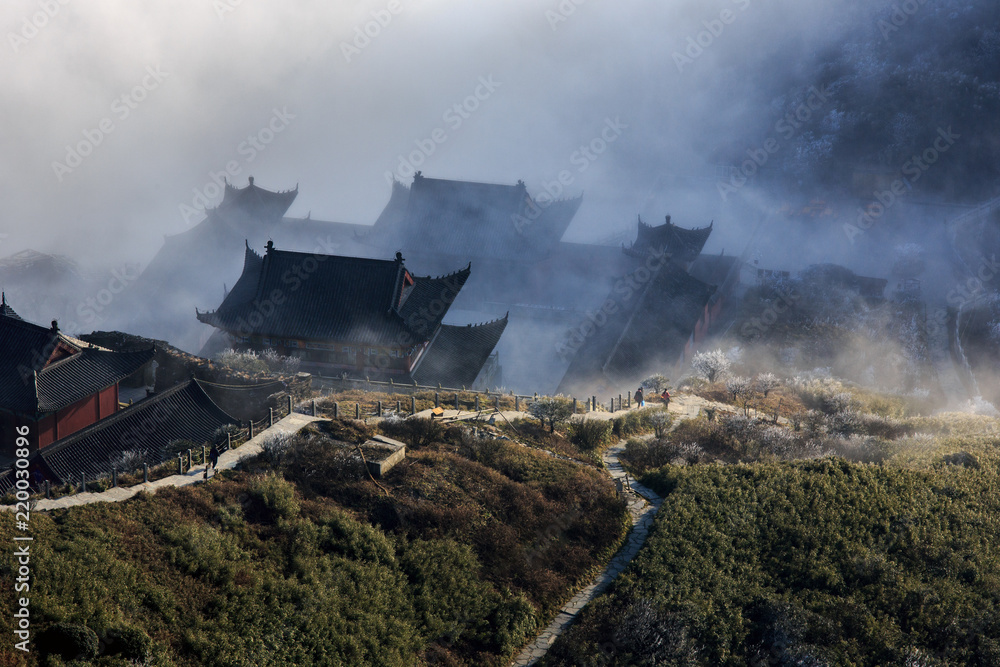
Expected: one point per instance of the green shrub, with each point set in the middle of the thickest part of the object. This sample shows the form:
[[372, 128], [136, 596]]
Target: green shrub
[[276, 496], [128, 642], [512, 621], [591, 434], [636, 422], [69, 641]]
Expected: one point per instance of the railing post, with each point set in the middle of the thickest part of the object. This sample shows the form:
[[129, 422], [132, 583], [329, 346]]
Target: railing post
[[477, 402], [336, 410], [83, 482], [189, 459], [204, 455], [437, 400], [413, 405], [612, 404], [357, 411], [629, 399], [593, 403], [145, 473], [619, 401], [517, 403], [114, 476], [378, 408], [270, 417], [314, 407], [290, 407], [398, 407], [251, 429], [48, 489], [180, 465], [574, 405], [229, 441], [496, 402]]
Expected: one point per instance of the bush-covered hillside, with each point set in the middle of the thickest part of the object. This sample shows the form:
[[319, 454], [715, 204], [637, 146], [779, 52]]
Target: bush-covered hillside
[[301, 559], [888, 559]]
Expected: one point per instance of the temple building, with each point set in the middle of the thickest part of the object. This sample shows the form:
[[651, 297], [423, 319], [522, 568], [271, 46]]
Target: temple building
[[54, 384], [655, 315], [190, 268], [363, 317]]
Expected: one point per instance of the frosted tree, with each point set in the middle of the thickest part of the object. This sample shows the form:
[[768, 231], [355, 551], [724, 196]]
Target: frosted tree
[[742, 391], [711, 366], [765, 383], [554, 409], [656, 383]]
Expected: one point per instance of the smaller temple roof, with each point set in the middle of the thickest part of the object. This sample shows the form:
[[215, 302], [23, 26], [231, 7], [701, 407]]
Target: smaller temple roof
[[457, 353], [183, 412], [683, 245], [467, 219], [43, 370], [256, 202]]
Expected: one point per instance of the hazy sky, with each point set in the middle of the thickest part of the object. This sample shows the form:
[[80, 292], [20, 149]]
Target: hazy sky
[[182, 86]]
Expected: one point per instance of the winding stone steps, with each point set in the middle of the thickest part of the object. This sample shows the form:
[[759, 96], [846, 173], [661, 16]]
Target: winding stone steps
[[643, 503]]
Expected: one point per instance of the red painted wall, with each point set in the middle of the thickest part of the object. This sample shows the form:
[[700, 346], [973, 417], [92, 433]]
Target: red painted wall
[[45, 430], [80, 415], [108, 402]]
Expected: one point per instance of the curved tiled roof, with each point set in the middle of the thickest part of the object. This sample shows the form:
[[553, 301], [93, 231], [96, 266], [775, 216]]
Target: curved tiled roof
[[428, 301], [457, 354], [466, 219], [327, 297], [184, 412], [257, 202], [34, 379], [684, 245]]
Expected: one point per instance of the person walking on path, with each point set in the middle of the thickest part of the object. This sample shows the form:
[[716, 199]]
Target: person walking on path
[[638, 398], [666, 398], [213, 460]]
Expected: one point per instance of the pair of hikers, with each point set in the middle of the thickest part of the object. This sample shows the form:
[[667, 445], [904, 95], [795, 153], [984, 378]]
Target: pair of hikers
[[641, 401]]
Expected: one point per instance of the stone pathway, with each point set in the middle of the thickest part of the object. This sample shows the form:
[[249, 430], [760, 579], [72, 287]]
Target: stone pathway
[[290, 425], [643, 504]]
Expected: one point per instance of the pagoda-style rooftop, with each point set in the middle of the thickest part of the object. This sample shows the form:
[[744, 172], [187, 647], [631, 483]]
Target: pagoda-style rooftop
[[682, 245]]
